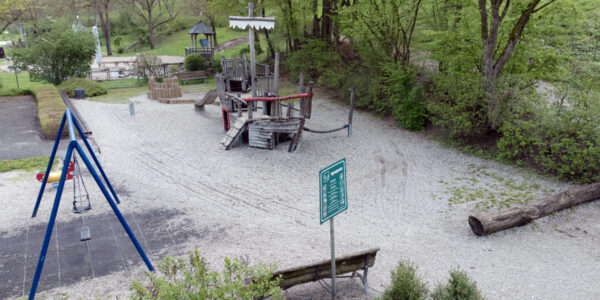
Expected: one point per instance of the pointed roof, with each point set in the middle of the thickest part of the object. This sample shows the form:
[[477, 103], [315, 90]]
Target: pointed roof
[[200, 28]]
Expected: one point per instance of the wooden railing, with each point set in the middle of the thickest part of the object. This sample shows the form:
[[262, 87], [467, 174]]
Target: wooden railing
[[205, 51]]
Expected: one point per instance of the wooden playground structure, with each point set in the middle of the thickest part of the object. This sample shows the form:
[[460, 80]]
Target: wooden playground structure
[[263, 119]]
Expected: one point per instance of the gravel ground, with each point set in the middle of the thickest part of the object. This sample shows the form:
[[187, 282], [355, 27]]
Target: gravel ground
[[404, 192]]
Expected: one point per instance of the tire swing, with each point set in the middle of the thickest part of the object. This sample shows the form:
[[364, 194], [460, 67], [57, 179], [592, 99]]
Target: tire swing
[[81, 198]]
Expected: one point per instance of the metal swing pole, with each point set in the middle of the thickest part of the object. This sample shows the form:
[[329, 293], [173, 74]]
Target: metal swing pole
[[89, 148], [61, 185], [49, 167], [114, 207]]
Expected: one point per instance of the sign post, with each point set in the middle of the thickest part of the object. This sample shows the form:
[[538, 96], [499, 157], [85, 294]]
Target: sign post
[[333, 201]]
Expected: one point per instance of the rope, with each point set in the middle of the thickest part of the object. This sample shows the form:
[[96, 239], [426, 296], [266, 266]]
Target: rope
[[325, 131]]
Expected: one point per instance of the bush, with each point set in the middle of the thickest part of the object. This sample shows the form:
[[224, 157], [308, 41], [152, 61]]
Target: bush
[[120, 50], [193, 279], [458, 105], [314, 59], [459, 287], [92, 88], [406, 99], [117, 41], [56, 55], [405, 284], [50, 110], [194, 62], [558, 140]]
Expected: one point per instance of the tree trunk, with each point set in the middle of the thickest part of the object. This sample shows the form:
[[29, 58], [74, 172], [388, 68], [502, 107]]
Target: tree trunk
[[487, 223], [213, 27], [102, 12], [150, 28], [107, 34], [315, 25], [326, 21]]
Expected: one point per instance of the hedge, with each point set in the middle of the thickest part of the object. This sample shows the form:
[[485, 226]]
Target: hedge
[[50, 110]]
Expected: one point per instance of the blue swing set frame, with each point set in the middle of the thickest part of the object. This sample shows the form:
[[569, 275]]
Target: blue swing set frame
[[73, 124]]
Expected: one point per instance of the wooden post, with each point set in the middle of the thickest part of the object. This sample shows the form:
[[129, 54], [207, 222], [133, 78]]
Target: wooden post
[[351, 110], [252, 51], [245, 75]]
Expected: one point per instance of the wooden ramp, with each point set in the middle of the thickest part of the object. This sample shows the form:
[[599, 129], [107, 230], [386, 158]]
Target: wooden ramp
[[234, 133]]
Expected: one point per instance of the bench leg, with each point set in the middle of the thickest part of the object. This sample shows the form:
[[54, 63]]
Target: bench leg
[[365, 273]]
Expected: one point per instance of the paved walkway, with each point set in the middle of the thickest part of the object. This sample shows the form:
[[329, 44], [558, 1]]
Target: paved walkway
[[20, 130]]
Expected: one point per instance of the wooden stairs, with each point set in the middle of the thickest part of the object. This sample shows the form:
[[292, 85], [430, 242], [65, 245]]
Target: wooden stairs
[[264, 133], [234, 133]]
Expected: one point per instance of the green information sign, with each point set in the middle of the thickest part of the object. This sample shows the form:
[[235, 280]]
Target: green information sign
[[334, 198]]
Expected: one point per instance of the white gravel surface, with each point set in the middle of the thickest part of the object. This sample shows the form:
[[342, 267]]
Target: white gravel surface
[[264, 204]]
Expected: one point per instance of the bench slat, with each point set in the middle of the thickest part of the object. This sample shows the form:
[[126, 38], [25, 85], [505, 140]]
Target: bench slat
[[322, 269]]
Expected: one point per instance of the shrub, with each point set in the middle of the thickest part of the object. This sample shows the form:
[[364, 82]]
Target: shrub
[[458, 105], [314, 59], [405, 284], [149, 65], [459, 287], [120, 50], [406, 99], [117, 41], [92, 88], [50, 110], [56, 55], [194, 62], [193, 279], [560, 140]]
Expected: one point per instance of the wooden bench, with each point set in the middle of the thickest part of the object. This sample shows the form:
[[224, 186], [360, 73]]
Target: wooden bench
[[362, 260], [185, 76]]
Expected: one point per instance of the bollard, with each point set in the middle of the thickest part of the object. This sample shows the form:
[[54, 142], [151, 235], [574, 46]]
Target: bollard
[[131, 109]]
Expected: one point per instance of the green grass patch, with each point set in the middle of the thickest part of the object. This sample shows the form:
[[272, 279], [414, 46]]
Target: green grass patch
[[120, 96], [500, 193], [50, 109], [27, 164], [92, 88], [174, 43], [8, 84]]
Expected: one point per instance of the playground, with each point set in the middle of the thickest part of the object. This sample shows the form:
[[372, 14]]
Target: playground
[[180, 189]]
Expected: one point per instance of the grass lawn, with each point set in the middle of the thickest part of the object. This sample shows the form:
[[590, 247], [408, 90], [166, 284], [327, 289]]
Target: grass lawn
[[119, 91], [27, 164], [9, 82], [173, 44]]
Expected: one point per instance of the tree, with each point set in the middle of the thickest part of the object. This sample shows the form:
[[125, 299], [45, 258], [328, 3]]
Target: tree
[[56, 55], [385, 26], [102, 10], [493, 62], [146, 8], [10, 12]]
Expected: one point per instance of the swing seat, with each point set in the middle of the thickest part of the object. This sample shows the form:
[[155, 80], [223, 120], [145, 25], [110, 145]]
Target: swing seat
[[55, 176]]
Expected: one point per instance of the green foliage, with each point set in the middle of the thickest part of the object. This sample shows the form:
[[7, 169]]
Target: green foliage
[[117, 41], [193, 279], [194, 62], [315, 59], [92, 88], [458, 105], [560, 140], [405, 285], [56, 55], [50, 109], [27, 164], [458, 287], [408, 108], [120, 50]]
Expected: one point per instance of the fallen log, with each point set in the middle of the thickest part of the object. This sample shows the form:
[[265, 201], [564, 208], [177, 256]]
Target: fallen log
[[487, 223]]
